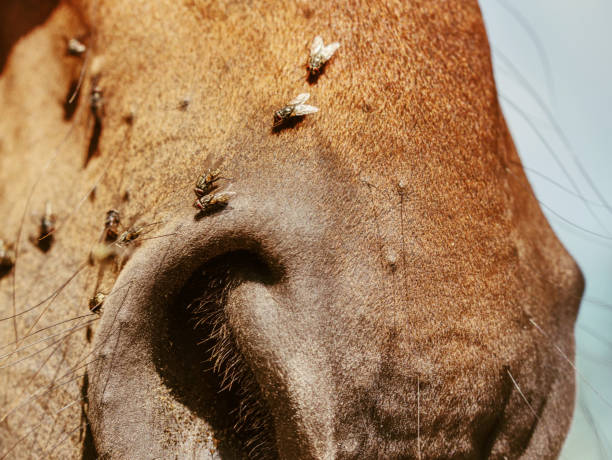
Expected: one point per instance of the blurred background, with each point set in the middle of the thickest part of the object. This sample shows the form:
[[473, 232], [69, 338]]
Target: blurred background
[[553, 66]]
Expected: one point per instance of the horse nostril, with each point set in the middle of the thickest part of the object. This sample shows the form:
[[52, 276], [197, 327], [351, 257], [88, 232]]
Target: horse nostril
[[199, 360]]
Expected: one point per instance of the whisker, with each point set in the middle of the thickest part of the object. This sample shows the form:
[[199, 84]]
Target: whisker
[[63, 408], [403, 247], [598, 302], [49, 388], [77, 88], [78, 400], [158, 236], [560, 217], [38, 394], [551, 151], [591, 421], [523, 395], [31, 355], [53, 380], [44, 363], [21, 439], [55, 293], [572, 365], [43, 171], [112, 361], [419, 417], [110, 333], [536, 42], [38, 425], [98, 180], [557, 184], [46, 308], [531, 409], [46, 328], [556, 127], [50, 336], [55, 446], [606, 363], [595, 334], [572, 224]]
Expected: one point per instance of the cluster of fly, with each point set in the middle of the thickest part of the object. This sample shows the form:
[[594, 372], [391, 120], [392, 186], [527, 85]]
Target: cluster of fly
[[252, 417], [319, 55], [252, 421], [112, 227], [206, 201], [114, 242]]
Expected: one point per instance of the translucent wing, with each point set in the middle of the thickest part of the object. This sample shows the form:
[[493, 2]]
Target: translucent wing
[[316, 46], [329, 50], [300, 99], [222, 198], [304, 109]]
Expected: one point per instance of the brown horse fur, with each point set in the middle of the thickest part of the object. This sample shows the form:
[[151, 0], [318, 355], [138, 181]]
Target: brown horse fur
[[385, 284]]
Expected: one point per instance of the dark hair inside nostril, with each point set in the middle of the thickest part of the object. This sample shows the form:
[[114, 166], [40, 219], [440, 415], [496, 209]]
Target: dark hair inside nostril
[[201, 365]]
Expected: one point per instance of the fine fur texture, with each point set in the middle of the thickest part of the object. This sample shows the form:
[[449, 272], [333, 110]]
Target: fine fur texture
[[408, 299]]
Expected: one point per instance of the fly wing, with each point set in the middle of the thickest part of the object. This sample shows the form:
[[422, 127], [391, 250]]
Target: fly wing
[[316, 46], [329, 50], [222, 198], [300, 99], [304, 109]]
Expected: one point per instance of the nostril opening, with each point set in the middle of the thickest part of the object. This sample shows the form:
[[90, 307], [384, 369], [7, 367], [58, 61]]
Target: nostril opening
[[201, 365]]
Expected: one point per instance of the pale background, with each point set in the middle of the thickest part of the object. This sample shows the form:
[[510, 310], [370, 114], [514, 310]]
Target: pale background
[[562, 50]]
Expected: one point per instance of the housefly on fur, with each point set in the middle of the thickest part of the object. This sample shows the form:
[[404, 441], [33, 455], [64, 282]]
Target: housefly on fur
[[129, 236], [96, 98], [122, 247], [95, 303], [96, 101], [47, 223], [75, 47], [320, 54], [46, 229], [295, 108], [212, 202], [96, 106], [111, 225], [133, 233], [184, 103], [7, 258], [207, 182]]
